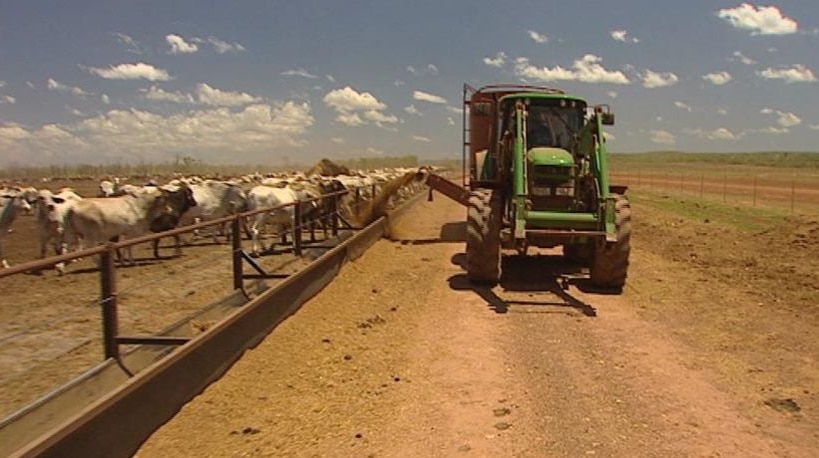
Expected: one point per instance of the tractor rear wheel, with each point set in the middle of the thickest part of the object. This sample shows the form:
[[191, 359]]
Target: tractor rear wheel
[[483, 224], [610, 266]]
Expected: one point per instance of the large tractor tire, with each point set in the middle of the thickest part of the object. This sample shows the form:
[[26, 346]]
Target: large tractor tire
[[483, 224], [610, 266]]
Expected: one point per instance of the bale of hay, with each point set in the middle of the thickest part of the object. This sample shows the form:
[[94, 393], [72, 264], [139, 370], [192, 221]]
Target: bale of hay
[[328, 168]]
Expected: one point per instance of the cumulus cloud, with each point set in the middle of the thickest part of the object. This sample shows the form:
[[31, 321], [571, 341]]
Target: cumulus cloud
[[54, 85], [450, 121], [773, 130], [765, 20], [498, 61], [683, 106], [537, 37], [211, 96], [796, 74], [355, 108], [419, 138], [652, 79], [427, 97], [131, 44], [179, 45], [722, 111], [622, 36], [2, 84], [451, 109], [135, 135], [222, 47], [718, 78], [7, 99], [430, 69], [105, 99], [412, 110], [337, 140], [299, 72], [721, 133], [136, 71], [157, 93], [586, 70], [814, 126], [612, 94], [662, 137], [738, 56], [784, 118]]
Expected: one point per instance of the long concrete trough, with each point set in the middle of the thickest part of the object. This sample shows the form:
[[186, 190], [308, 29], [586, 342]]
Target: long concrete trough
[[117, 422]]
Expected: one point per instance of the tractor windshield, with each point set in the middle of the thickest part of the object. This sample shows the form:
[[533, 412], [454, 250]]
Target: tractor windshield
[[550, 124]]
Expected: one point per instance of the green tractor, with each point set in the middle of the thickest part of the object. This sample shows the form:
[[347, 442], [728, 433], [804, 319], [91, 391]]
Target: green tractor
[[538, 177]]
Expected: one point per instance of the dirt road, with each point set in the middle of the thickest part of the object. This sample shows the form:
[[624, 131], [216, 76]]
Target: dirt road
[[400, 356]]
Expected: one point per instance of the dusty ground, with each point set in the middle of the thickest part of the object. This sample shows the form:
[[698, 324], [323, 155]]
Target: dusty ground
[[710, 351]]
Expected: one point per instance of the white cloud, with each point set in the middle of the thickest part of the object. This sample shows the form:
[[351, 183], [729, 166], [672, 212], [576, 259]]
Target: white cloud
[[216, 97], [330, 78], [427, 97], [130, 43], [765, 20], [683, 106], [30, 84], [740, 57], [179, 45], [653, 79], [784, 118], [412, 110], [586, 70], [722, 111], [718, 78], [54, 85], [355, 108], [8, 99], [662, 137], [135, 135], [450, 121], [814, 126], [419, 138], [612, 94], [721, 134], [430, 69], [774, 130], [2, 84], [348, 99], [337, 140], [621, 35], [222, 47], [451, 109], [136, 71], [157, 93], [498, 61], [105, 99], [374, 151], [796, 74], [299, 72], [537, 37]]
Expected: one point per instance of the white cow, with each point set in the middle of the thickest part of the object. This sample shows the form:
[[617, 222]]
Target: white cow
[[269, 197], [99, 220], [214, 200], [11, 205], [52, 214]]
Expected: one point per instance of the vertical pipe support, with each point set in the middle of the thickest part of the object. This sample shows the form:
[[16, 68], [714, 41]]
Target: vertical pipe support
[[297, 228], [236, 240], [334, 215], [108, 301]]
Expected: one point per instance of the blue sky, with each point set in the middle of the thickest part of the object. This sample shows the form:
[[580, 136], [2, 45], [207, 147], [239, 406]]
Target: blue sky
[[270, 82]]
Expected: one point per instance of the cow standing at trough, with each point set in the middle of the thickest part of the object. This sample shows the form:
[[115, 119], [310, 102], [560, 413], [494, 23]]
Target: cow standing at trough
[[11, 205], [214, 200], [282, 217], [99, 220], [52, 214]]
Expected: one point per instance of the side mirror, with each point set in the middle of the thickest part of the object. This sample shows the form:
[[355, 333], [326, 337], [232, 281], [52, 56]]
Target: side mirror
[[607, 119]]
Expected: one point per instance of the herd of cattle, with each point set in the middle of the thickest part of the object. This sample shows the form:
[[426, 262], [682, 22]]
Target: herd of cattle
[[120, 211]]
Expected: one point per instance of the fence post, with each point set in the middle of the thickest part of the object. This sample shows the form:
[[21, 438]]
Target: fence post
[[334, 215], [108, 300], [238, 274], [297, 228]]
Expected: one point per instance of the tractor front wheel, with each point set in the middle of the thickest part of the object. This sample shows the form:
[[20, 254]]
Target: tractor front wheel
[[483, 224], [610, 266]]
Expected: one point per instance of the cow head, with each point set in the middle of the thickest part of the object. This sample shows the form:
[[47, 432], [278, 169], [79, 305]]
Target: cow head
[[169, 207]]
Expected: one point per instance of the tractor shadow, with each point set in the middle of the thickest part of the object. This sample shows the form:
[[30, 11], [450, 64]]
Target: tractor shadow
[[541, 275], [450, 233]]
